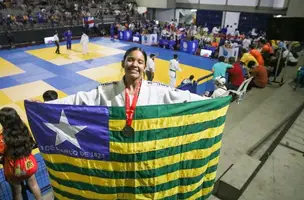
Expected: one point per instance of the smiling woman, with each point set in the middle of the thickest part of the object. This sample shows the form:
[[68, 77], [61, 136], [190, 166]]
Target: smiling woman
[[131, 86]]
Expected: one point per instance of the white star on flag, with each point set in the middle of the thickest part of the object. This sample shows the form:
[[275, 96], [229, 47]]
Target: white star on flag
[[65, 131]]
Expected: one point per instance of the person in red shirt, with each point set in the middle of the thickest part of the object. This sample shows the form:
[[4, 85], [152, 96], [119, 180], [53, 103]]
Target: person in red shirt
[[16, 145], [260, 75], [256, 54], [236, 76]]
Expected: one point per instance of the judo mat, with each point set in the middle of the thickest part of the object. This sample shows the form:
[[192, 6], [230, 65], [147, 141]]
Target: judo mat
[[26, 73]]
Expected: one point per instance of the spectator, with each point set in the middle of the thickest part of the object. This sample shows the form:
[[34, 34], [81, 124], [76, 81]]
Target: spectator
[[50, 95], [236, 33], [246, 58], [246, 43], [16, 146], [220, 88], [188, 80], [291, 60], [215, 30], [259, 73], [256, 54], [219, 69], [225, 30], [150, 68], [266, 47], [214, 43], [236, 76]]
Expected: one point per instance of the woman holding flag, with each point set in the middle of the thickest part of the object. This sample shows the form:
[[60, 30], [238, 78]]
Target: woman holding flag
[[146, 92], [131, 91]]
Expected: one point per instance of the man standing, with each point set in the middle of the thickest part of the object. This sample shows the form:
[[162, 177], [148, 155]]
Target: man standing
[[68, 37], [84, 42], [56, 40], [150, 69], [174, 66]]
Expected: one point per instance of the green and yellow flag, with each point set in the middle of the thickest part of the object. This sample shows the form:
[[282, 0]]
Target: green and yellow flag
[[173, 154]]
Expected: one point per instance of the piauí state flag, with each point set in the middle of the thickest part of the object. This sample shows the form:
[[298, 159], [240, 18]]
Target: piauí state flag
[[172, 155]]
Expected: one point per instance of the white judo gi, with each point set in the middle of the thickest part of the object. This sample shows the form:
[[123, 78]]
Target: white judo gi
[[84, 42], [174, 66], [113, 94]]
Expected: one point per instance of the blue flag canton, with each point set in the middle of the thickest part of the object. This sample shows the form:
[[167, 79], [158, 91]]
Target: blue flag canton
[[76, 131]]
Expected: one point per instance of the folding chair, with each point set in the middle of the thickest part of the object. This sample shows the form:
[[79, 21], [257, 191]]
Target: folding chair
[[241, 90]]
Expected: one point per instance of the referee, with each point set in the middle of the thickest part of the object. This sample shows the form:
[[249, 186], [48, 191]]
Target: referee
[[56, 39]]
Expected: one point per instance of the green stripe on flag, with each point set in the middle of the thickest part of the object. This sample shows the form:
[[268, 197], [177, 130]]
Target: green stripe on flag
[[150, 135], [132, 190], [171, 110], [162, 153], [174, 197], [182, 165]]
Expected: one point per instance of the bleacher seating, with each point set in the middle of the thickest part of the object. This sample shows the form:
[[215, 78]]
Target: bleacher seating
[[36, 6]]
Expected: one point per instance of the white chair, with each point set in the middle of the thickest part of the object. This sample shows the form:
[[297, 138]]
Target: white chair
[[241, 90]]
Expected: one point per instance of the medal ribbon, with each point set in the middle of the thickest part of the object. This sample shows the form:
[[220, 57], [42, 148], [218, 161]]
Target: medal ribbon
[[130, 109]]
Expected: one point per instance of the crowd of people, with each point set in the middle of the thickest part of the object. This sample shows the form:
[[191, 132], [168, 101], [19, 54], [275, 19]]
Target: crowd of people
[[258, 58], [67, 12]]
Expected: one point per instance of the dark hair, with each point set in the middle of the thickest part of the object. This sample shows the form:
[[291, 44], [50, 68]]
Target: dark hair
[[175, 56], [244, 50], [231, 60], [135, 49], [251, 46], [152, 55], [251, 64], [50, 95], [191, 77], [16, 134], [221, 59]]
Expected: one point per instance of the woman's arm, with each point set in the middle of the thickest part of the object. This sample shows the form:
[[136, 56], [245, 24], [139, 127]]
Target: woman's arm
[[81, 98]]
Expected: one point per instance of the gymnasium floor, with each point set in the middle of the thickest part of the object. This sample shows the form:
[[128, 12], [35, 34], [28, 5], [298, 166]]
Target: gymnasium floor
[[26, 73]]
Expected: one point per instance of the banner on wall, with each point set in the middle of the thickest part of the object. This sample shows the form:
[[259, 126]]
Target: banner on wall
[[149, 39], [49, 40], [127, 35], [229, 52], [189, 46], [184, 46], [121, 35]]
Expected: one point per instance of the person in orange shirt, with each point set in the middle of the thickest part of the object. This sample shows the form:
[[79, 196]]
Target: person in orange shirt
[[260, 75], [16, 145], [214, 43], [267, 48], [256, 54]]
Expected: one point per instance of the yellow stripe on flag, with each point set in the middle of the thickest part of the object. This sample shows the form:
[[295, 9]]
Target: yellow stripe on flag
[[169, 122], [142, 147], [187, 173], [129, 166], [59, 196], [201, 193], [157, 195]]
